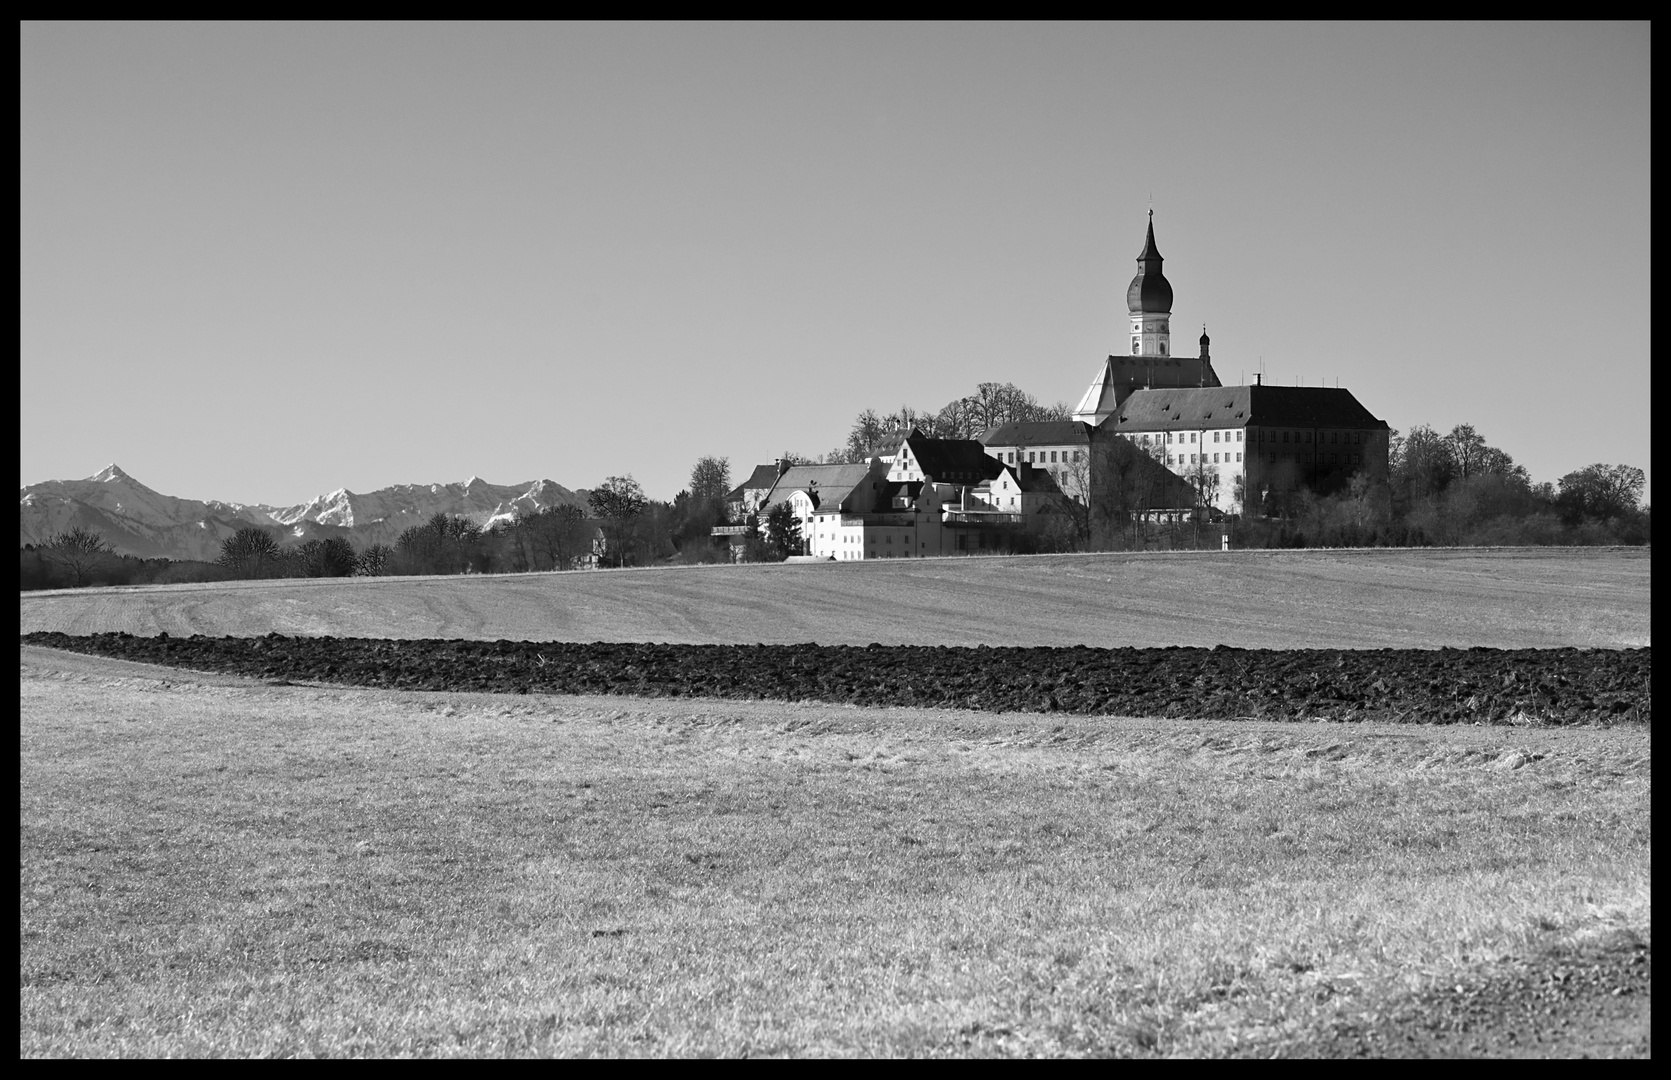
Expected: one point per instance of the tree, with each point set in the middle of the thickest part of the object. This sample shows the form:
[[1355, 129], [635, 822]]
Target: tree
[[867, 433], [619, 501], [556, 536], [710, 479], [956, 421], [373, 561], [1494, 462], [1467, 447], [330, 557], [1599, 492], [251, 553], [1422, 464], [783, 531], [445, 544], [79, 551], [703, 504]]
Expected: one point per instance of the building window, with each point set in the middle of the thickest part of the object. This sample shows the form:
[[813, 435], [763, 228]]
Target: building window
[[1357, 436], [1215, 436], [1052, 457], [1334, 436], [1192, 436], [1238, 439], [1284, 436], [1215, 459], [1308, 436], [1238, 457], [1169, 436]]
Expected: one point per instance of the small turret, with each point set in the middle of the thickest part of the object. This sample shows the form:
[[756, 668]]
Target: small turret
[[1204, 341]]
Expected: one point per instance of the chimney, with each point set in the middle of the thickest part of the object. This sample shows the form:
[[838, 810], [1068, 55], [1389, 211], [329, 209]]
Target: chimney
[[782, 466]]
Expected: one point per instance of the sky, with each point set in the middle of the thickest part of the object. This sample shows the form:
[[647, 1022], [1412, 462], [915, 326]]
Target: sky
[[262, 262]]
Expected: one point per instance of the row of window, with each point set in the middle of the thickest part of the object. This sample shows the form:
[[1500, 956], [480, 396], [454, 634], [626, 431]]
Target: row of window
[[1178, 459], [1331, 436], [1028, 457], [1264, 436], [1317, 459], [1158, 439]]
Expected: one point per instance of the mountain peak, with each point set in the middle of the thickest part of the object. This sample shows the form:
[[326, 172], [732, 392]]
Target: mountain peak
[[108, 473]]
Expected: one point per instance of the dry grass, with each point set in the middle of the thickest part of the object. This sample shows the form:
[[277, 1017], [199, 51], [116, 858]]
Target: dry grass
[[212, 867], [1528, 597]]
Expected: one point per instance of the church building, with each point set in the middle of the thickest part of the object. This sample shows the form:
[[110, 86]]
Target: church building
[[1151, 361]]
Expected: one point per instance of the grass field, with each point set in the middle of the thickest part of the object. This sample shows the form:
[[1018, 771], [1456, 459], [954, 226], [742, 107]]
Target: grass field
[[211, 866], [1531, 597]]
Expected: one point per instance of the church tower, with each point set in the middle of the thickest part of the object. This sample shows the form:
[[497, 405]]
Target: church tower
[[1149, 301], [1150, 361]]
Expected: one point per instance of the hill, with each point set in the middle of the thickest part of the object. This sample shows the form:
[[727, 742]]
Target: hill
[[1503, 598], [136, 520]]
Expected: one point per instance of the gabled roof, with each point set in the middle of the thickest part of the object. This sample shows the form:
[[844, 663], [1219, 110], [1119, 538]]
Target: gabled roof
[[762, 479], [1032, 479], [1241, 406], [1039, 433], [828, 483], [952, 460]]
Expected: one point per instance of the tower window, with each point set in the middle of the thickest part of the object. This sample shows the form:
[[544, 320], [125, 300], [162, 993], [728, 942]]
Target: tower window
[[1163, 348]]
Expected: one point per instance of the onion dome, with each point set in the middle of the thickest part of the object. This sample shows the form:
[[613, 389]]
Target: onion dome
[[1204, 341], [1150, 292]]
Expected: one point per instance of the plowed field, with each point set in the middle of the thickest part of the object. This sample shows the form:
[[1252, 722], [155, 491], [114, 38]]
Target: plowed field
[[1421, 685]]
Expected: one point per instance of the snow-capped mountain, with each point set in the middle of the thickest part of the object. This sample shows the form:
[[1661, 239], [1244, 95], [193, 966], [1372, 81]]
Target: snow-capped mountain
[[136, 520]]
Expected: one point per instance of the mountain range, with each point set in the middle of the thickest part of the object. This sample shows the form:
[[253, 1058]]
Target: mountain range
[[135, 520]]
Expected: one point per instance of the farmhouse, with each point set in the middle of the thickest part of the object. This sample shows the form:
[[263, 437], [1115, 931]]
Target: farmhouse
[[932, 497], [747, 497]]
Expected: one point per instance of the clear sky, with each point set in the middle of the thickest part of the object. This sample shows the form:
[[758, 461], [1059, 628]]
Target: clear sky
[[263, 262]]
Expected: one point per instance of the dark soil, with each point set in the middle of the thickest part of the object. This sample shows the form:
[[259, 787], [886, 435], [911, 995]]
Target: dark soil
[[1559, 686], [1593, 1001]]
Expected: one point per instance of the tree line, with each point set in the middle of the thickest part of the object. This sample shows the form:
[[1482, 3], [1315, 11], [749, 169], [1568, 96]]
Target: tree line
[[1453, 489], [967, 417], [1457, 490]]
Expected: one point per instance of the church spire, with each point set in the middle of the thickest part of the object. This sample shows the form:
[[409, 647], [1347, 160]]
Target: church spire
[[1149, 302], [1150, 252]]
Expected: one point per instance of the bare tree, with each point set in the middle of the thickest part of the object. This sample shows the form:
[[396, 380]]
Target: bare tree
[[251, 553], [619, 501], [79, 551], [1600, 492], [710, 479], [868, 431], [373, 561], [1467, 446], [559, 535]]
